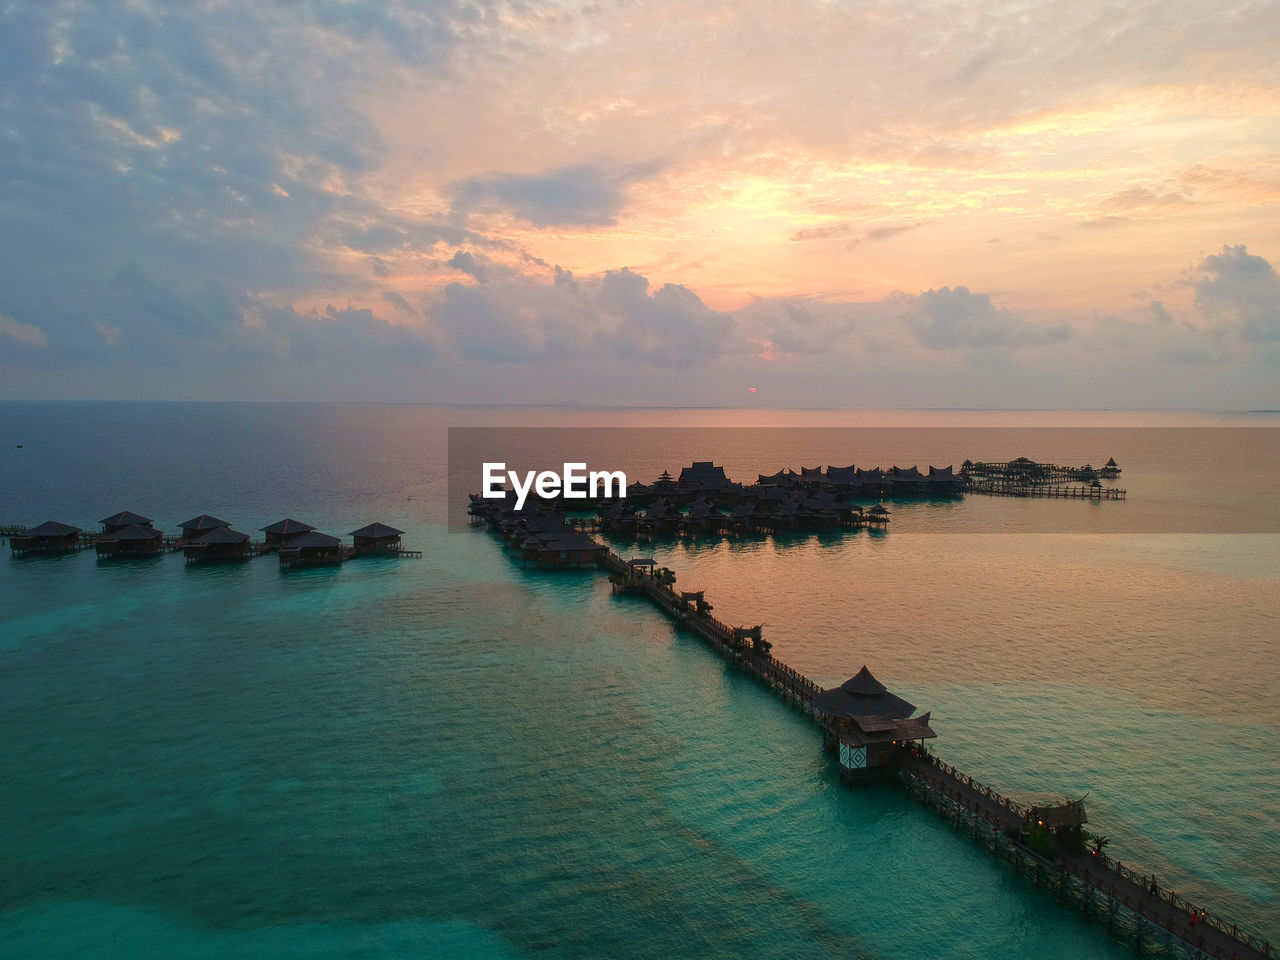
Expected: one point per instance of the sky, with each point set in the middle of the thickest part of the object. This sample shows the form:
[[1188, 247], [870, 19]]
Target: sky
[[1058, 203]]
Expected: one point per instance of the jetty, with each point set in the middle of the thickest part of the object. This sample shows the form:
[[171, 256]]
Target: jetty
[[876, 735]]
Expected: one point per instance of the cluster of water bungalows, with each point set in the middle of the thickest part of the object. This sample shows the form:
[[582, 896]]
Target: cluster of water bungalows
[[704, 499], [705, 477], [206, 538]]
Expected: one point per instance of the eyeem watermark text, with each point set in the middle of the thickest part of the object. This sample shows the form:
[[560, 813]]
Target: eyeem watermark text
[[574, 483]]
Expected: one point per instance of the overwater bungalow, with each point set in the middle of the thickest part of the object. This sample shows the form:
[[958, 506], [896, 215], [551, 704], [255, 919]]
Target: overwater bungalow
[[219, 543], [812, 477], [566, 549], [866, 724], [376, 538], [638, 492], [702, 514], [133, 540], [197, 527], [618, 515], [282, 531], [660, 517], [818, 512], [704, 476], [124, 518], [48, 537], [846, 477], [783, 478], [312, 549]]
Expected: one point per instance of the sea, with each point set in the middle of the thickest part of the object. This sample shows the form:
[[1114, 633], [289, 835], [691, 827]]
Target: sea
[[454, 756]]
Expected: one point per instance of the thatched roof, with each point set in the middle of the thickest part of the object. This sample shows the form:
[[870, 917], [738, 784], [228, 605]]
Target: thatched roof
[[1068, 814], [862, 695]]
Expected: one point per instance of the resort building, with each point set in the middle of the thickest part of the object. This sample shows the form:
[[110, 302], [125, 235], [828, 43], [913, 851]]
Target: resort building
[[133, 540], [197, 527], [220, 543], [282, 531], [377, 538], [123, 519], [312, 549], [49, 537]]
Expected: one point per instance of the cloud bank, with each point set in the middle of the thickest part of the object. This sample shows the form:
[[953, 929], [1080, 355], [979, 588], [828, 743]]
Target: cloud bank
[[285, 199]]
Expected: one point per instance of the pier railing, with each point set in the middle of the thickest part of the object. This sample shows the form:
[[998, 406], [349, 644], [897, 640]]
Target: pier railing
[[1148, 883]]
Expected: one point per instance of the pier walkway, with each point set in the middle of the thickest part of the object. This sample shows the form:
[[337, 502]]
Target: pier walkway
[[1010, 488], [1132, 905], [1093, 879]]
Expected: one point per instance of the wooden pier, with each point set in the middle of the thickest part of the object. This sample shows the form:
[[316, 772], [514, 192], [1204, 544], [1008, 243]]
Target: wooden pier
[[1011, 488], [1134, 908]]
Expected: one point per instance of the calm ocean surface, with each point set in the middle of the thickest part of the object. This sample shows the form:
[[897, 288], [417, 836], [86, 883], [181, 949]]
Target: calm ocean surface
[[454, 757]]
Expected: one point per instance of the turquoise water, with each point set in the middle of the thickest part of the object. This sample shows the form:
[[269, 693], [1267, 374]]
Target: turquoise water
[[455, 757]]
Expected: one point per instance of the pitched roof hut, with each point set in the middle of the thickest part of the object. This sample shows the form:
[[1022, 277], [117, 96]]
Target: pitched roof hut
[[197, 527], [377, 538], [784, 477], [48, 537], [842, 476], [220, 543], [282, 531], [136, 539], [867, 723], [312, 549], [118, 521], [704, 476], [561, 549]]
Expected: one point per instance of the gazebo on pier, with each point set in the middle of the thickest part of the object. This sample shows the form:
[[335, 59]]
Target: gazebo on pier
[[866, 724]]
